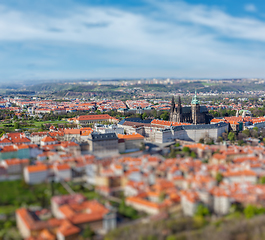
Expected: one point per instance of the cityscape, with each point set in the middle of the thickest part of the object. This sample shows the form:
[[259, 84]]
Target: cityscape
[[136, 120]]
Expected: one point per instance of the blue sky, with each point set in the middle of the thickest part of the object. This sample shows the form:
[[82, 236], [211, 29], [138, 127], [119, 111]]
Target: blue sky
[[66, 39]]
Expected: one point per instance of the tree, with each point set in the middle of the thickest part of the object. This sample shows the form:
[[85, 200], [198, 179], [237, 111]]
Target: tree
[[219, 177], [16, 125], [249, 211], [202, 211], [193, 155], [256, 129], [142, 148], [246, 132], [154, 113], [231, 137], [224, 135], [262, 180], [165, 116], [219, 139], [171, 237], [162, 196], [186, 149], [144, 115], [88, 233]]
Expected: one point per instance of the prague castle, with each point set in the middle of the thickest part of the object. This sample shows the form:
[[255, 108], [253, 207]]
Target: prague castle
[[194, 114]]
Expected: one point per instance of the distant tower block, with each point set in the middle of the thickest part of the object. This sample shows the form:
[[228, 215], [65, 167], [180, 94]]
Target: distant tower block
[[237, 113]]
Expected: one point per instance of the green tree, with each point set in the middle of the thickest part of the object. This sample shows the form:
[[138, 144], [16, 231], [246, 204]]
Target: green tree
[[202, 211], [256, 129], [16, 125], [154, 113], [231, 137], [144, 115], [165, 116], [246, 132], [262, 180], [162, 196], [249, 211], [193, 155], [219, 177], [171, 237], [88, 233], [186, 149]]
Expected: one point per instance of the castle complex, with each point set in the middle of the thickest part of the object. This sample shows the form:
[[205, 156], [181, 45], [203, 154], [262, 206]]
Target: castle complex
[[195, 114]]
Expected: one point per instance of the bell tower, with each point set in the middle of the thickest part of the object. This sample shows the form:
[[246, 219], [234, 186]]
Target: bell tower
[[195, 109], [172, 110], [179, 111]]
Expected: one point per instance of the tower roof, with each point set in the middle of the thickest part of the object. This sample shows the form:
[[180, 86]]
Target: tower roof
[[194, 99]]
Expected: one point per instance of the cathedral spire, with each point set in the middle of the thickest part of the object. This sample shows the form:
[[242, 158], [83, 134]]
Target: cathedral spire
[[179, 105], [194, 99], [172, 104]]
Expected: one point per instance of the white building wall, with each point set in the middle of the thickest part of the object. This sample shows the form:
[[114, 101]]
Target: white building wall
[[221, 205], [63, 174], [35, 177]]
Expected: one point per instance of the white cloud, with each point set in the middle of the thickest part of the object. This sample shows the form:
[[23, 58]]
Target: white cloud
[[250, 7], [188, 41]]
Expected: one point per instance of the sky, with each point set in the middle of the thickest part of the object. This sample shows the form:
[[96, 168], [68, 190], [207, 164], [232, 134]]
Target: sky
[[86, 39]]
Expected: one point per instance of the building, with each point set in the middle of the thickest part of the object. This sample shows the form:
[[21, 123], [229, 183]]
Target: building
[[81, 212], [189, 202], [15, 166], [36, 174], [195, 114], [131, 142], [160, 131], [100, 118], [48, 141], [62, 172], [103, 143]]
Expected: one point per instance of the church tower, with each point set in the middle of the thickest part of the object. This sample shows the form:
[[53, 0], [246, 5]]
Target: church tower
[[179, 111], [172, 110], [195, 109]]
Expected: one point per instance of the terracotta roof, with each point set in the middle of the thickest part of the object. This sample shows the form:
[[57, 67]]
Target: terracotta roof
[[45, 234], [94, 117], [68, 229], [5, 140], [62, 167], [144, 202], [72, 131], [133, 136], [239, 173], [16, 161], [8, 149], [37, 168], [48, 139]]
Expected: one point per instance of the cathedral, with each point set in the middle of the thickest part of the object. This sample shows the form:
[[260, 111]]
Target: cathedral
[[195, 114]]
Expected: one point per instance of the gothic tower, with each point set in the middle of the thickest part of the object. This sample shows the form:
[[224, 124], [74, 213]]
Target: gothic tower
[[172, 110], [179, 111], [195, 109]]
